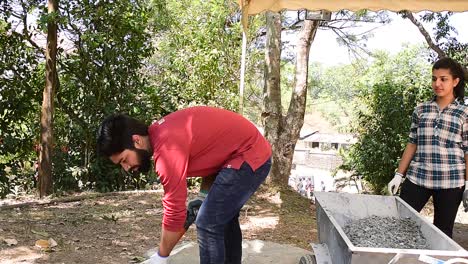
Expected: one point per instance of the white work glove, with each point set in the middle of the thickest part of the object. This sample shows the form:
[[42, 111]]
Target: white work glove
[[394, 184], [465, 197], [155, 259]]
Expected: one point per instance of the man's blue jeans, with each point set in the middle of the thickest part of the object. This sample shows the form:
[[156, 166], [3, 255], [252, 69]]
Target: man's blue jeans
[[219, 234]]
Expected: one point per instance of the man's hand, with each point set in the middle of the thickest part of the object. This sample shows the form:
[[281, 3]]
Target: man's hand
[[156, 259], [192, 210], [394, 184], [465, 197]]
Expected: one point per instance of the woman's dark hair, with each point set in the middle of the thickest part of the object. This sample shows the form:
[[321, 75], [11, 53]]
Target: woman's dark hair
[[115, 134], [457, 71]]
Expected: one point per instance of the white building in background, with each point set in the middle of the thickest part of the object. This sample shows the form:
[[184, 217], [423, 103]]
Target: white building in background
[[325, 141], [316, 157]]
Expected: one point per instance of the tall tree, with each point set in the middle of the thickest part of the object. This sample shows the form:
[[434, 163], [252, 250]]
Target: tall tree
[[272, 113], [283, 131], [47, 113]]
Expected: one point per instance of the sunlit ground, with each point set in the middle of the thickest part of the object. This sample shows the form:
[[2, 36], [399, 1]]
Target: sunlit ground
[[20, 254]]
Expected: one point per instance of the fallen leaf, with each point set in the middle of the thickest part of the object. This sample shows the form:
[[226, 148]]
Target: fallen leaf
[[10, 241], [41, 233], [42, 244], [120, 243]]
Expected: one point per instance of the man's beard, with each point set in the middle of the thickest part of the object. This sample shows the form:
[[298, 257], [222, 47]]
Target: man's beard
[[145, 160]]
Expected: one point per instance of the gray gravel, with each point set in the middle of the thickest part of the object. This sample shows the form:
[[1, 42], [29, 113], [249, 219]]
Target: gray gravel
[[385, 232]]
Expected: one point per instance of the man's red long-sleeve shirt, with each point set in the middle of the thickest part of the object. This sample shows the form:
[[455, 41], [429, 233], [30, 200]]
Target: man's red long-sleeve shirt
[[198, 142]]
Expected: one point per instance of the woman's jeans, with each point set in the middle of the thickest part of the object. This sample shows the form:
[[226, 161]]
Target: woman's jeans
[[219, 234]]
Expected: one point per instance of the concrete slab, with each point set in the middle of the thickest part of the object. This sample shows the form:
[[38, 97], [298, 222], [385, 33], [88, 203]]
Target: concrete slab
[[254, 252]]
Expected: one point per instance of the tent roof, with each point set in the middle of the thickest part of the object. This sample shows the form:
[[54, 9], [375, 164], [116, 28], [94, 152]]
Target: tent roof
[[257, 6]]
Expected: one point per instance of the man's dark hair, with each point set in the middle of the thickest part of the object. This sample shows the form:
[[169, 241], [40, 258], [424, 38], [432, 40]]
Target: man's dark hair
[[457, 71], [115, 134]]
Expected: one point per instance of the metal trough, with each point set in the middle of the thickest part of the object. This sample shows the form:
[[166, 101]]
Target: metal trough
[[336, 210]]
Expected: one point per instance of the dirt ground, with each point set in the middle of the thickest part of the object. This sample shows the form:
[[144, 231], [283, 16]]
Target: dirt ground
[[121, 227]]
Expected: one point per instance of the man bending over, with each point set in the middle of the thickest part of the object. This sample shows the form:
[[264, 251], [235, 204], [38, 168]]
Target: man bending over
[[194, 142]]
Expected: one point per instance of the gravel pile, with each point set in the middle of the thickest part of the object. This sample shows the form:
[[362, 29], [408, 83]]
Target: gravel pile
[[385, 232]]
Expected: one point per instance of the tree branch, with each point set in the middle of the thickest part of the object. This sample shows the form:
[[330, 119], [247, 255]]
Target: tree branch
[[425, 34], [26, 33]]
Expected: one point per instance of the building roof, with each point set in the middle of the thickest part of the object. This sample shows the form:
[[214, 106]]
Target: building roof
[[331, 138]]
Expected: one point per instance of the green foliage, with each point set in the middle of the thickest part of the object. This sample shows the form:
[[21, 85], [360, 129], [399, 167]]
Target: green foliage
[[381, 133], [459, 52], [443, 31], [104, 176], [20, 75], [197, 58], [389, 92], [445, 36], [102, 49], [103, 67], [332, 91], [47, 18], [106, 65], [102, 76]]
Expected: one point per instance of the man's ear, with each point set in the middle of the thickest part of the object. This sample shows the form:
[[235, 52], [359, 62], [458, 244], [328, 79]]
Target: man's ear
[[141, 142], [137, 140]]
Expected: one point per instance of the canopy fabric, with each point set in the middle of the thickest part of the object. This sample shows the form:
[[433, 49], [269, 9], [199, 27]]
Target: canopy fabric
[[251, 7]]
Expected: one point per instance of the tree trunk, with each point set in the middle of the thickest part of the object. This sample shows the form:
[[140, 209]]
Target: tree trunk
[[272, 113], [47, 113], [283, 131]]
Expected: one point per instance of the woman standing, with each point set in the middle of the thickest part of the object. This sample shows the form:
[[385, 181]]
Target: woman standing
[[434, 160]]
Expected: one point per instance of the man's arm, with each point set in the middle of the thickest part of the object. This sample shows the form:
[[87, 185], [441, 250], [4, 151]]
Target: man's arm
[[170, 238], [168, 241]]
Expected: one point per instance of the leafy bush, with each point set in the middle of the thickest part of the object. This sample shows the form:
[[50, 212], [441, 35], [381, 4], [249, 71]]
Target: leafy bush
[[397, 85]]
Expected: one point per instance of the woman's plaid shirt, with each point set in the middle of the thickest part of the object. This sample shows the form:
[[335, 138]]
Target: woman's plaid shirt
[[442, 142]]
